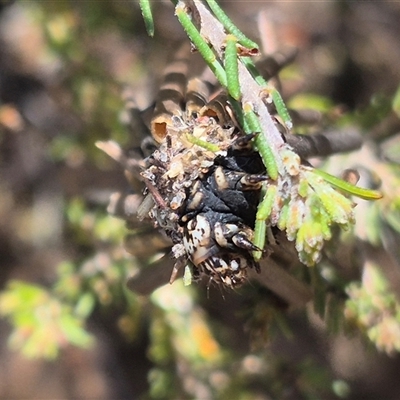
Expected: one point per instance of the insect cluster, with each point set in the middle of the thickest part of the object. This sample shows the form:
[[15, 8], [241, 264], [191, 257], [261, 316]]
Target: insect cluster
[[207, 189], [205, 180], [202, 180]]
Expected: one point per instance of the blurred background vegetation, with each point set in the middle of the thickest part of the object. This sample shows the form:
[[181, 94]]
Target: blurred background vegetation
[[71, 329]]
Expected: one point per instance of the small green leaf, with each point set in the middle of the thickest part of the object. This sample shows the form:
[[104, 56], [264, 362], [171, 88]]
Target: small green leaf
[[201, 45], [231, 67], [260, 230], [263, 212], [362, 193], [281, 108], [261, 142], [147, 16], [265, 206], [202, 143]]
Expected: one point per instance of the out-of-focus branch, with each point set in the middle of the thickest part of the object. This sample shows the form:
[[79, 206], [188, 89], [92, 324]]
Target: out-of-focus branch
[[325, 144], [295, 293]]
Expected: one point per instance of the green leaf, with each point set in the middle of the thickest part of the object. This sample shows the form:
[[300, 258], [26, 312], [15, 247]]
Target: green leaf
[[231, 67], [147, 16], [362, 193]]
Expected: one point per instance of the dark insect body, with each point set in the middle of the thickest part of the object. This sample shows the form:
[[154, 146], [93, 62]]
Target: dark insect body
[[210, 197]]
